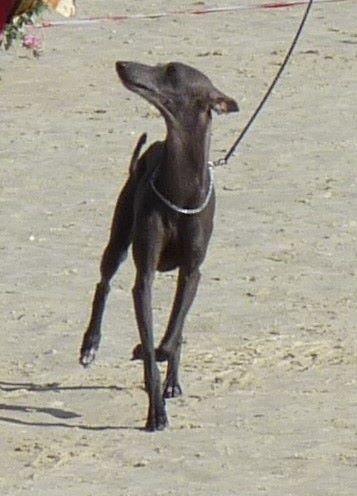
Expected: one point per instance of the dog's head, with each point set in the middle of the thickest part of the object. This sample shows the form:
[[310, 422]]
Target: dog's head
[[180, 92]]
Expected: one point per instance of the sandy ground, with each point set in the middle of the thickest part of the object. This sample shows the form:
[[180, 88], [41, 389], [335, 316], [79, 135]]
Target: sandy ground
[[269, 366]]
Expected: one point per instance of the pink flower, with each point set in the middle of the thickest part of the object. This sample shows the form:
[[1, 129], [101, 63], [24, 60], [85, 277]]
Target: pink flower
[[32, 42]]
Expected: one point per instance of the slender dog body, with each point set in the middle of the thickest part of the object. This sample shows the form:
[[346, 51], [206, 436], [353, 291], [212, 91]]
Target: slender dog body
[[165, 211]]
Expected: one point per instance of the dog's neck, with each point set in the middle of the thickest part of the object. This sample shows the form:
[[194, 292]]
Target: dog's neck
[[184, 176]]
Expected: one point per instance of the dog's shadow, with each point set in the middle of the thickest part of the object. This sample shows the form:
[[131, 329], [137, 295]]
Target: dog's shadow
[[57, 413]]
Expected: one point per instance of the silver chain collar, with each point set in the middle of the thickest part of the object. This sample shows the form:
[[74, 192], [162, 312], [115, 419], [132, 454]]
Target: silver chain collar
[[179, 210]]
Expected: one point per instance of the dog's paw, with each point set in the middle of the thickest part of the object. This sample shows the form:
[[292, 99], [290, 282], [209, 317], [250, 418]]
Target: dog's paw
[[138, 354], [158, 423], [172, 391], [161, 355], [87, 357]]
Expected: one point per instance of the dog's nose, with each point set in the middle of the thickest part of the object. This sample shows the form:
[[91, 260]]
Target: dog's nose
[[120, 66]]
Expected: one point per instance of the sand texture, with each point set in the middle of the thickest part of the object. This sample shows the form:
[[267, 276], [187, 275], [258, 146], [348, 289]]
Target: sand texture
[[269, 360]]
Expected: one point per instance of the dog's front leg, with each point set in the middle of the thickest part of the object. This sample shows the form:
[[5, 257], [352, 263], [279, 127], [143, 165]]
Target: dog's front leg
[[157, 418], [170, 346]]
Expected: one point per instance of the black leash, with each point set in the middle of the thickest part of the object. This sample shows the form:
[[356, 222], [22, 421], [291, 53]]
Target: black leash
[[224, 160]]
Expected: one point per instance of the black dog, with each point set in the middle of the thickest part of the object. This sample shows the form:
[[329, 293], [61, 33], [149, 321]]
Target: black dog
[[166, 211]]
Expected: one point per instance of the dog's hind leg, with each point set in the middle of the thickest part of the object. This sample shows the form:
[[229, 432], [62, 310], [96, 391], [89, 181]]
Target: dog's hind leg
[[114, 254]]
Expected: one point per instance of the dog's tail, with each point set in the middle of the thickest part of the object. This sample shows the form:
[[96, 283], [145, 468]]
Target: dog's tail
[[136, 153]]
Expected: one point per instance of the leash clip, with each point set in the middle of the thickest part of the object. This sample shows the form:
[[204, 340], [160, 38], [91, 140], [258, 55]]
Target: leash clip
[[218, 163]]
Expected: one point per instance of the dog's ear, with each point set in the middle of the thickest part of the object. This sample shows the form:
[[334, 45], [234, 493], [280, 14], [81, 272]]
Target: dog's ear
[[221, 103]]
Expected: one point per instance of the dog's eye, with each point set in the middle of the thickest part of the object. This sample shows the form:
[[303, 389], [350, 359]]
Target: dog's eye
[[170, 70]]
